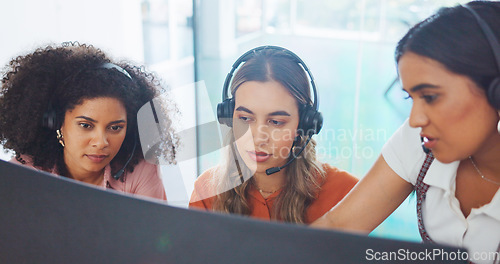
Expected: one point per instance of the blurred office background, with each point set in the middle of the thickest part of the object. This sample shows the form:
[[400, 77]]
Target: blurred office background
[[348, 46]]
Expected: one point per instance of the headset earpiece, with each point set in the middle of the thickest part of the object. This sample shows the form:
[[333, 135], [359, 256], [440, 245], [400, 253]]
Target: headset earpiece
[[225, 112], [311, 121], [494, 93], [49, 119]]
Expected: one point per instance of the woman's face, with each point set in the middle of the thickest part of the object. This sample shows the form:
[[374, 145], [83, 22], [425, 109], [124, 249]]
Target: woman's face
[[453, 112], [93, 134], [265, 124]]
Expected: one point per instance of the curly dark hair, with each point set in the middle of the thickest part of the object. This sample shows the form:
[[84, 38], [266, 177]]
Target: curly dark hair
[[58, 78]]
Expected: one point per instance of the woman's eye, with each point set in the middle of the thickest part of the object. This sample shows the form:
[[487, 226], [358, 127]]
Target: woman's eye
[[429, 98], [85, 125], [276, 122], [116, 128], [244, 118]]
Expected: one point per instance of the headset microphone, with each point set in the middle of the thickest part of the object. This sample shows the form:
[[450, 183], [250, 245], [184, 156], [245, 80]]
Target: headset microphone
[[119, 173], [276, 169]]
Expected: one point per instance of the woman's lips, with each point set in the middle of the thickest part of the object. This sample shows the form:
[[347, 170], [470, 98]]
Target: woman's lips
[[429, 142], [96, 158], [258, 156]]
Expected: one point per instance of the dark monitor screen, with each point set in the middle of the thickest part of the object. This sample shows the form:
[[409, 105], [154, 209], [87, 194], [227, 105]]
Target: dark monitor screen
[[48, 219]]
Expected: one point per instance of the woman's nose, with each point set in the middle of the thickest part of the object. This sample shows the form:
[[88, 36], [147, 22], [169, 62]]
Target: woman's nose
[[418, 117], [100, 140], [260, 134]]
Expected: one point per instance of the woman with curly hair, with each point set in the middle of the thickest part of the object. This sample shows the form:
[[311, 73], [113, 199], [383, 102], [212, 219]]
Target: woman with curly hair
[[71, 111]]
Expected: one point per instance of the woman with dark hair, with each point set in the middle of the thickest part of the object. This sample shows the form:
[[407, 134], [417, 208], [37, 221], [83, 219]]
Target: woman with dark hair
[[71, 111], [270, 104], [449, 64]]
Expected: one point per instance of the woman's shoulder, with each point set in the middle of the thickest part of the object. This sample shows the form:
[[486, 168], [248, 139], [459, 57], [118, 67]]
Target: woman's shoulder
[[144, 180], [27, 161], [336, 185], [206, 177], [144, 167], [143, 172], [205, 185], [23, 160], [143, 164], [339, 176]]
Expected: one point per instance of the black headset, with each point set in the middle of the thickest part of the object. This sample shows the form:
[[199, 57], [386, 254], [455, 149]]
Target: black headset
[[310, 121], [493, 92], [51, 121]]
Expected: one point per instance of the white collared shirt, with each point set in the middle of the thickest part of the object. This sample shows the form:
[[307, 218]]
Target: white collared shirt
[[445, 223]]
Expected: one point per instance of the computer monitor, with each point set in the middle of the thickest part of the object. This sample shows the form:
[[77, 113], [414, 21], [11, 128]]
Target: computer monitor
[[50, 219]]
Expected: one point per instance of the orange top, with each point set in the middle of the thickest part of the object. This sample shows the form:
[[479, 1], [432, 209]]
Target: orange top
[[336, 185]]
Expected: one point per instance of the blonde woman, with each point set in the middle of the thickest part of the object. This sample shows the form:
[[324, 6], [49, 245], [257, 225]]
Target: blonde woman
[[271, 171]]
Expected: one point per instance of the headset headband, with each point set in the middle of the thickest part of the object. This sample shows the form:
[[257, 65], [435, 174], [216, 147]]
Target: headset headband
[[109, 65], [490, 36], [249, 54]]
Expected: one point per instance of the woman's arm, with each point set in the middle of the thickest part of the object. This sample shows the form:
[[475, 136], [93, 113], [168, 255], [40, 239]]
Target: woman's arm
[[370, 202]]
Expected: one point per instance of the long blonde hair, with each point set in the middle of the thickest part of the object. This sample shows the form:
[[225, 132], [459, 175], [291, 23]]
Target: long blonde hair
[[304, 176]]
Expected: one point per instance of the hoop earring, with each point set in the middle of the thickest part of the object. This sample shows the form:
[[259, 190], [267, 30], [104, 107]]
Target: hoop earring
[[60, 137]]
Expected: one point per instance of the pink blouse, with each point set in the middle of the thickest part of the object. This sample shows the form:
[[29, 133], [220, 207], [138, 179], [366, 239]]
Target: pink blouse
[[144, 180]]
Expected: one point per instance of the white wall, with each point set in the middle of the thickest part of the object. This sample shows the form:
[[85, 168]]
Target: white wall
[[115, 26], [216, 29]]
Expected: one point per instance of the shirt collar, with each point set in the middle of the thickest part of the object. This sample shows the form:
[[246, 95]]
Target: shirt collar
[[107, 177], [443, 176]]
